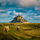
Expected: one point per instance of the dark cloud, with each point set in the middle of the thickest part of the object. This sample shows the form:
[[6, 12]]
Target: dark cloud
[[19, 3]]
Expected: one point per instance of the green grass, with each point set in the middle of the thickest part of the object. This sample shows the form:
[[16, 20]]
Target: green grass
[[27, 31]]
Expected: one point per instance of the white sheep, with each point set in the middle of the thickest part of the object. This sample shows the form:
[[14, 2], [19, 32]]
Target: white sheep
[[18, 28], [6, 28]]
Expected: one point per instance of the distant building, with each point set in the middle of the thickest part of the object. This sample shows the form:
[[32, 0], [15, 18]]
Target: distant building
[[19, 19]]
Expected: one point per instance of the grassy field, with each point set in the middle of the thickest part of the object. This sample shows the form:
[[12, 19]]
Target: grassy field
[[27, 31]]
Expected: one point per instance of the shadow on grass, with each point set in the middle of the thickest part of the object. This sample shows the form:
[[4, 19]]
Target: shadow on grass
[[33, 37], [27, 29], [6, 37]]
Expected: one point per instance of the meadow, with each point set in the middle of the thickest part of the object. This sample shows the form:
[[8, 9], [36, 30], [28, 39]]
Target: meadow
[[27, 31]]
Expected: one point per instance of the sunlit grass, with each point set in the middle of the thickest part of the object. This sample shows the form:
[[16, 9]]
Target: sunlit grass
[[27, 31]]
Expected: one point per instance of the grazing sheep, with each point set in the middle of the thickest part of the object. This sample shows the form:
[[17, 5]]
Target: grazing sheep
[[18, 28], [6, 28]]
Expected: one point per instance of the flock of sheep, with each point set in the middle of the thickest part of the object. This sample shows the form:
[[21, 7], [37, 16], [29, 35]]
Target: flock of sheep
[[6, 28]]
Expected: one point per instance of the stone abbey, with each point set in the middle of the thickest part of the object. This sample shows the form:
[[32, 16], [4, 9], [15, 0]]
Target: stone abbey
[[19, 19]]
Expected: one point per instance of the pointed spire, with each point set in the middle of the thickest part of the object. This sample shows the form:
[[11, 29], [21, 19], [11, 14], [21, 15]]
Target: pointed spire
[[18, 13]]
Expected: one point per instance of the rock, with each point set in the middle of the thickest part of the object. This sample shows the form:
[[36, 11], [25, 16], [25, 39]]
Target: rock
[[19, 19]]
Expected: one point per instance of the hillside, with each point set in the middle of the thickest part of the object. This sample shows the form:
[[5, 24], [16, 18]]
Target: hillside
[[27, 31]]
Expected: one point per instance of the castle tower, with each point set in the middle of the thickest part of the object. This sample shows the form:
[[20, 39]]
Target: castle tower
[[18, 14], [19, 19]]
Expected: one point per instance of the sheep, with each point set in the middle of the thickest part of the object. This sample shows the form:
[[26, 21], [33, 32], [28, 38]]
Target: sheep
[[6, 28], [18, 28]]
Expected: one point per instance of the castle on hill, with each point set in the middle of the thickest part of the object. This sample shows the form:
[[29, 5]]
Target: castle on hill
[[19, 19]]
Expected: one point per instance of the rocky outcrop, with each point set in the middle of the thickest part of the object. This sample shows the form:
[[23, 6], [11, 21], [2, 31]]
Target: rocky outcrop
[[19, 19]]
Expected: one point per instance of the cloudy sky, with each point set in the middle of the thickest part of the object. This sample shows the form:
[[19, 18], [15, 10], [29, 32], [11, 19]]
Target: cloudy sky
[[29, 9]]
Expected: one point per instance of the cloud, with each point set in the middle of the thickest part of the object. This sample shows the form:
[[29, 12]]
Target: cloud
[[3, 15], [16, 13], [13, 16], [20, 3], [29, 2], [29, 18], [1, 10], [30, 15], [9, 12], [38, 12], [37, 8], [24, 15], [37, 17]]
